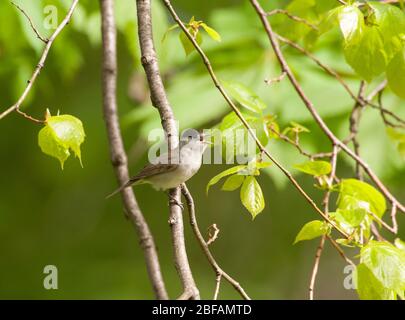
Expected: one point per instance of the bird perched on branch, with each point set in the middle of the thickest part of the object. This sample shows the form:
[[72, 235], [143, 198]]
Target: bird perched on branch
[[170, 170]]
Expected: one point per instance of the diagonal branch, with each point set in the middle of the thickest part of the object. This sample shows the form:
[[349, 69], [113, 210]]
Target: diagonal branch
[[117, 151], [40, 65], [244, 122], [309, 105], [160, 101], [220, 273]]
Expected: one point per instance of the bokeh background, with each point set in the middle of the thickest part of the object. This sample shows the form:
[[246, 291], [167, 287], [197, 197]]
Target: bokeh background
[[54, 217]]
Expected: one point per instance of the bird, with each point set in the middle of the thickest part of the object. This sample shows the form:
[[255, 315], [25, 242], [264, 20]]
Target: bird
[[170, 170]]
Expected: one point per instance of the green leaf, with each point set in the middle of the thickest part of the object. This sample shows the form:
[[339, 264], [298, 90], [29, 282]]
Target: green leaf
[[175, 26], [312, 230], [369, 287], [243, 95], [223, 174], [364, 192], [330, 20], [387, 263], [298, 127], [351, 211], [211, 32], [314, 168], [233, 182], [391, 24], [187, 44], [251, 196], [396, 74], [351, 22], [61, 134], [365, 53]]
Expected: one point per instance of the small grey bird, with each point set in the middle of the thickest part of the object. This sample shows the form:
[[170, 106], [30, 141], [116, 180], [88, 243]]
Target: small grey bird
[[166, 173]]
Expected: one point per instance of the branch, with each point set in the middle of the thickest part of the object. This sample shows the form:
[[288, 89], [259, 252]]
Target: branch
[[243, 120], [321, 245], [354, 127], [205, 247], [44, 40], [40, 65], [309, 105], [117, 151], [160, 101], [293, 17]]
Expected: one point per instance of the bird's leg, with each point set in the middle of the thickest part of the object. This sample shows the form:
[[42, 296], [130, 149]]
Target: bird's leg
[[174, 201]]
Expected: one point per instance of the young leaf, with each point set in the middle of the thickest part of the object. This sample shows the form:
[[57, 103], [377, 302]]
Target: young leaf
[[225, 173], [369, 287], [396, 74], [391, 24], [351, 22], [387, 263], [187, 44], [233, 182], [175, 26], [246, 97], [211, 32], [364, 192], [61, 134], [314, 168], [351, 211], [312, 230], [365, 53], [251, 196]]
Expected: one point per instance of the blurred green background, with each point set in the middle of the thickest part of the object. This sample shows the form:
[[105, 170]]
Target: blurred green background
[[54, 217]]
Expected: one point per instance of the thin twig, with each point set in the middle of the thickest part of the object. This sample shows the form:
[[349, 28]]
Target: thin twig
[[309, 105], [354, 127], [276, 79], [319, 250], [299, 148], [204, 246], [293, 17], [117, 151], [39, 67], [217, 286], [243, 120], [213, 233], [341, 252], [160, 101], [44, 40]]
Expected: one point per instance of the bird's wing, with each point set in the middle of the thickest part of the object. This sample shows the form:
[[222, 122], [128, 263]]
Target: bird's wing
[[153, 170]]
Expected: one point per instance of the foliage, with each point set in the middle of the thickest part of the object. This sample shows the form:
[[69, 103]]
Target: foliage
[[61, 134]]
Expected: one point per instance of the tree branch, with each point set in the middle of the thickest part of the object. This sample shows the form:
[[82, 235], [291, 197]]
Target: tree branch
[[309, 105], [117, 151], [40, 65], [160, 101], [205, 247]]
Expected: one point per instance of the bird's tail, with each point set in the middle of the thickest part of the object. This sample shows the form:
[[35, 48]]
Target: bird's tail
[[126, 185]]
